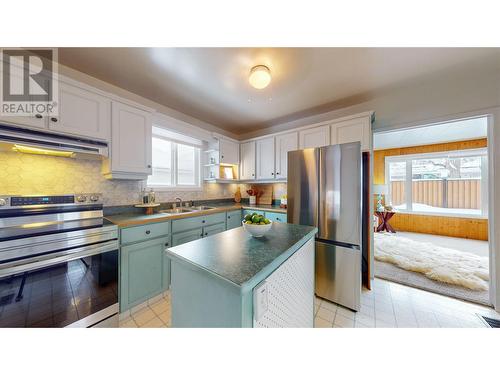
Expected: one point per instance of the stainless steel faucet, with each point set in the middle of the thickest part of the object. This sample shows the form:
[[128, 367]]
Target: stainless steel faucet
[[180, 202]]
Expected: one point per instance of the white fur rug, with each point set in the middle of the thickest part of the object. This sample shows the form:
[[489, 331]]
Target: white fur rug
[[435, 262]]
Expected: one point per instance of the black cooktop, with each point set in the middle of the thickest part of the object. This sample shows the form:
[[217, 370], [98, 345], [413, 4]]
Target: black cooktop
[[42, 229]]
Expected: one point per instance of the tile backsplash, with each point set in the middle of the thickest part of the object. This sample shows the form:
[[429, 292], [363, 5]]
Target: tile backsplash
[[37, 174]]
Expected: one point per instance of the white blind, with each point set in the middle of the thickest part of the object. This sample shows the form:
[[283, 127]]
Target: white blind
[[176, 137]]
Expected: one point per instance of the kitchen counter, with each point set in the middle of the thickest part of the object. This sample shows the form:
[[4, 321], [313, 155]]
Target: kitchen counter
[[241, 259], [213, 278], [131, 219]]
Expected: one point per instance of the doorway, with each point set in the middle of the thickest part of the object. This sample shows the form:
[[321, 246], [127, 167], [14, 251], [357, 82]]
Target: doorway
[[431, 208]]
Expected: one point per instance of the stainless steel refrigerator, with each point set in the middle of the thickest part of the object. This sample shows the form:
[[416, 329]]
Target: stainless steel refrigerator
[[324, 190]]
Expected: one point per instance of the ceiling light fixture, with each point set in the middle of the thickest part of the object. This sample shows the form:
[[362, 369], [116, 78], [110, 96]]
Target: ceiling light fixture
[[260, 76]]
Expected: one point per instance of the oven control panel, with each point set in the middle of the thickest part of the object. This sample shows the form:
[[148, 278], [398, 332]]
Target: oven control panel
[[20, 201]]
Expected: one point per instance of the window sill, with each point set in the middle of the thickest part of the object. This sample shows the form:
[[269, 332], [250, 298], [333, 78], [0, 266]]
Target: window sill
[[442, 214]]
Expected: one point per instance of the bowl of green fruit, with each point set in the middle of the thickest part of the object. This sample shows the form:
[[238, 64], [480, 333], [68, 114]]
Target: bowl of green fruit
[[257, 225]]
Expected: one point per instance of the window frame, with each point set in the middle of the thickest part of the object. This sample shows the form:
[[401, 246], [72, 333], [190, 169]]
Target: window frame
[[483, 152], [174, 167]]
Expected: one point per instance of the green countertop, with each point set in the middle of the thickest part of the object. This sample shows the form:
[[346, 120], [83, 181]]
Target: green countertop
[[241, 259], [131, 219]]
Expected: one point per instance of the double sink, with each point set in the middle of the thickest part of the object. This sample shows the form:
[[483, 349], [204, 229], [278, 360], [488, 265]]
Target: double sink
[[185, 210]]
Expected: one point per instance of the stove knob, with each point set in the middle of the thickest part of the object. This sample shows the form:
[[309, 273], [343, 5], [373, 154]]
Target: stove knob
[[81, 198], [3, 202], [94, 198]]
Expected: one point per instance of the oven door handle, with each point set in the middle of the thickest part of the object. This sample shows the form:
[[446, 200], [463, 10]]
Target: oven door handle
[[69, 255]]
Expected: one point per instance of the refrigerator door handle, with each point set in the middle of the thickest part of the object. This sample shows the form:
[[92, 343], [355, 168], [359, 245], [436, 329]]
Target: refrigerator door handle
[[339, 243]]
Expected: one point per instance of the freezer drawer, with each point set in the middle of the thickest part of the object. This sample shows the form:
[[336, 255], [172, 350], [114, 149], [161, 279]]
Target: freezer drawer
[[338, 274]]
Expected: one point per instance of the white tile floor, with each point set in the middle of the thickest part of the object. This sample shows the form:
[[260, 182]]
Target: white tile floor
[[153, 314], [388, 305], [391, 305]]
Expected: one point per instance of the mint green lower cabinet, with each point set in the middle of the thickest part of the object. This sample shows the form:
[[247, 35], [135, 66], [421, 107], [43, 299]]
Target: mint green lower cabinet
[[210, 230], [233, 219], [276, 217], [144, 273], [186, 236]]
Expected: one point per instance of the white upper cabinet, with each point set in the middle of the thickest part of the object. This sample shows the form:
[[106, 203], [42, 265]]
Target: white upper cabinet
[[247, 164], [83, 113], [284, 143], [229, 151], [35, 121], [353, 130], [130, 143], [265, 158], [314, 137]]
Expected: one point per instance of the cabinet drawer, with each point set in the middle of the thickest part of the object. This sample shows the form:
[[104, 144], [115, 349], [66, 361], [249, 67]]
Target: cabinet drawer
[[215, 218], [277, 217], [187, 236], [214, 229], [145, 232], [182, 225]]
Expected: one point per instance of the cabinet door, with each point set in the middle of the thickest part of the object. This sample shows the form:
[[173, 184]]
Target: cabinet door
[[35, 121], [355, 130], [83, 113], [187, 236], [247, 165], [130, 139], [141, 271], [314, 137], [276, 216], [265, 158], [284, 143], [233, 219], [229, 152], [213, 229]]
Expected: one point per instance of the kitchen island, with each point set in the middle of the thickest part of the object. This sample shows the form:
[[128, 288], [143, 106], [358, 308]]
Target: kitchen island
[[234, 280]]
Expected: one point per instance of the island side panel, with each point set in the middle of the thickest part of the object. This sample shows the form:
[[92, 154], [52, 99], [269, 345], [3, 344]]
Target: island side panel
[[289, 292], [200, 300]]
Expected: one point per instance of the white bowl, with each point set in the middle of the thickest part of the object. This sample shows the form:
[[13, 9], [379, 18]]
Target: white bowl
[[257, 230]]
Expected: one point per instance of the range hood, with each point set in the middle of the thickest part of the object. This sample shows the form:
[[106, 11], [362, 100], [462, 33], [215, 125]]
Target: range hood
[[38, 142]]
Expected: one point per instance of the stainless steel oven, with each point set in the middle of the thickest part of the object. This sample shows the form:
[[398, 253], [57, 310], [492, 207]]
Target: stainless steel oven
[[58, 262]]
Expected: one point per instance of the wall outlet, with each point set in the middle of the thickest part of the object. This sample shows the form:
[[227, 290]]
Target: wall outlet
[[260, 300]]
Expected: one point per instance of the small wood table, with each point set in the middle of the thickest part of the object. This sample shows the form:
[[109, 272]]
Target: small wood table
[[384, 218]]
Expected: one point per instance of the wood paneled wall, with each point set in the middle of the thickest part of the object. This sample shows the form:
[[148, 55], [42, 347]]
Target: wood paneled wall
[[439, 225], [475, 229]]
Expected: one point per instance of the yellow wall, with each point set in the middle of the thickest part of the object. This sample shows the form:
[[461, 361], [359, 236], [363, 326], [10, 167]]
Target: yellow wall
[[440, 225]]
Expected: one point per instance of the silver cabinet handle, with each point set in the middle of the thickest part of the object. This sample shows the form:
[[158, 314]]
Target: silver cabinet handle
[[53, 119]]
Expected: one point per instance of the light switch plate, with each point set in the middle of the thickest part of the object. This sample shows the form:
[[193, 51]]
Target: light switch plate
[[260, 300]]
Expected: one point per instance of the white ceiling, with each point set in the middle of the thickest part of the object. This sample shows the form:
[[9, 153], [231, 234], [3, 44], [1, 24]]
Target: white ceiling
[[211, 84], [440, 133]]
